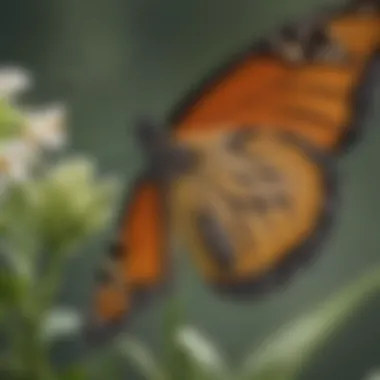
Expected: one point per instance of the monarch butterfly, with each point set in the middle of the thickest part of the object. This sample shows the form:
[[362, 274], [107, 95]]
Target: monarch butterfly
[[246, 174]]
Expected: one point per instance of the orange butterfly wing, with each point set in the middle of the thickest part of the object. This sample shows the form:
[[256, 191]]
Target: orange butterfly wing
[[318, 101], [322, 103], [256, 210], [136, 264]]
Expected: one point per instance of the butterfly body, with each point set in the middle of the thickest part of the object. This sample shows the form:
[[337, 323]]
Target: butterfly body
[[246, 177]]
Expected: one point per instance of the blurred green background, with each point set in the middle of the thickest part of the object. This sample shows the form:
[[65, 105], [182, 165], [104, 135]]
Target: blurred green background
[[114, 60]]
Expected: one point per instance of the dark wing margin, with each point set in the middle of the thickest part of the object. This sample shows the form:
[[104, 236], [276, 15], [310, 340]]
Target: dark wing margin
[[361, 104]]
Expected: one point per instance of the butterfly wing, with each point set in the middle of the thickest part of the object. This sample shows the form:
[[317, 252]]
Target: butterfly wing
[[312, 80], [257, 209], [320, 97], [136, 265]]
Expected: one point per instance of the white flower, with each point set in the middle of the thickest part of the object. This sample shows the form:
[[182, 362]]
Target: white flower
[[13, 81], [16, 160], [46, 127]]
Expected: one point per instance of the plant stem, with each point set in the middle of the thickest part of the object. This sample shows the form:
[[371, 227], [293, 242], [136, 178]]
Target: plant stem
[[31, 309], [50, 282], [35, 352]]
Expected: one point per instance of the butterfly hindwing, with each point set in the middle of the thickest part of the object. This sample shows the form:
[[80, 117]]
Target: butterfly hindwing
[[253, 210], [137, 262]]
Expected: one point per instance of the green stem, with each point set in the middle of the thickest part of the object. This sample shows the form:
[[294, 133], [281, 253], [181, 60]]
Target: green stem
[[26, 346], [27, 343], [46, 290], [51, 281], [177, 365], [33, 353]]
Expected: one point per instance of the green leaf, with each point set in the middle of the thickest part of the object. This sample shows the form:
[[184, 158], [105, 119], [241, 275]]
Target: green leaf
[[60, 323], [206, 361], [18, 217], [104, 364], [177, 364], [10, 367], [11, 120], [18, 267], [373, 375], [142, 359], [11, 289], [286, 353], [75, 373]]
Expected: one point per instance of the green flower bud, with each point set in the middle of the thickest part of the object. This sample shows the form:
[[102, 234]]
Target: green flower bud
[[74, 203]]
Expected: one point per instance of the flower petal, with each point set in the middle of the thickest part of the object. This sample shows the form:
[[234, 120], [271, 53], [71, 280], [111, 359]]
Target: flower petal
[[16, 159], [46, 127], [13, 81]]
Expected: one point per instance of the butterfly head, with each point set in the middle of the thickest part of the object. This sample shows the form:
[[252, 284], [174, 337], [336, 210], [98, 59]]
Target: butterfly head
[[167, 158]]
